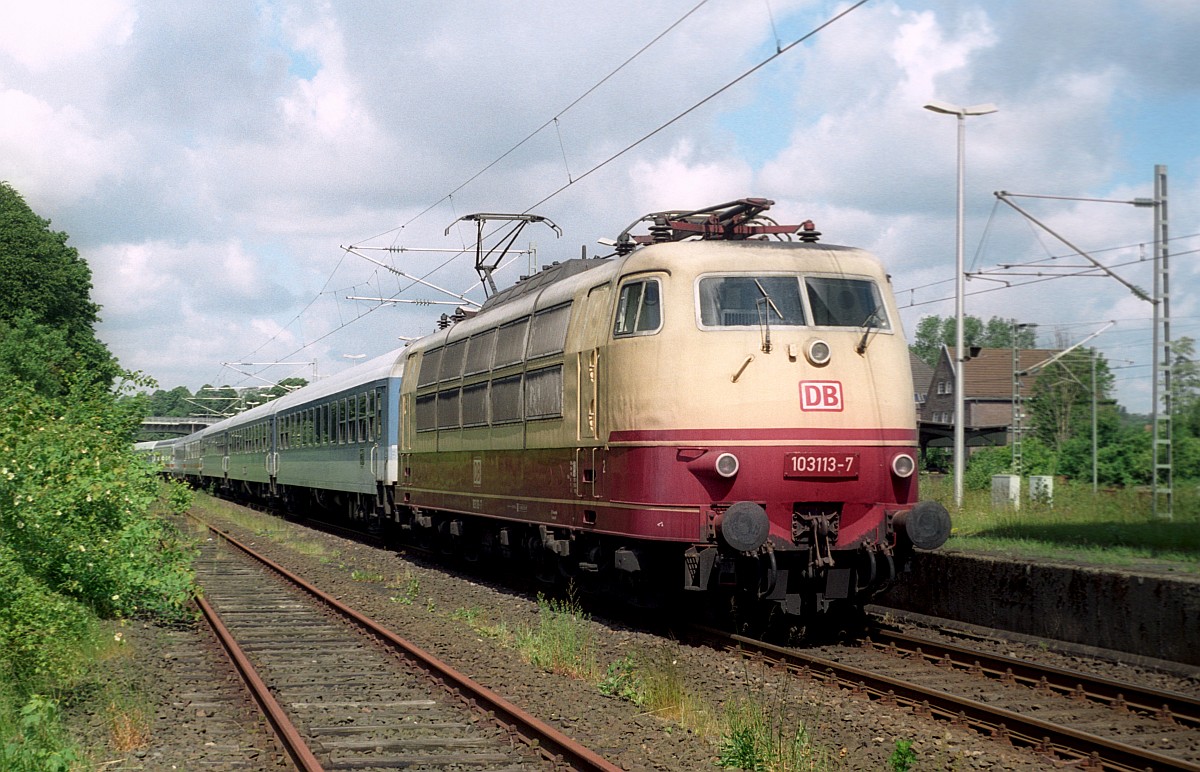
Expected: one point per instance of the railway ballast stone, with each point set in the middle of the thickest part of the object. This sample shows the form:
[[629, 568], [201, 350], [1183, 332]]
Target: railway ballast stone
[[1146, 614]]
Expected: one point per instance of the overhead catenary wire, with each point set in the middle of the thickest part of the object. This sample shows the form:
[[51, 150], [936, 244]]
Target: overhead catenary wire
[[780, 50], [680, 116], [450, 195], [552, 120]]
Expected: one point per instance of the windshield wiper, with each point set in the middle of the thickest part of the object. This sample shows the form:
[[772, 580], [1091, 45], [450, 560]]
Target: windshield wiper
[[764, 316], [868, 324], [767, 297]]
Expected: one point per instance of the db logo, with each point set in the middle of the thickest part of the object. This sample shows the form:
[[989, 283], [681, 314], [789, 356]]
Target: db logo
[[821, 395]]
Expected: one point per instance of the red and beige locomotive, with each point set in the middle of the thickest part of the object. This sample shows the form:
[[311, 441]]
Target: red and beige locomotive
[[722, 409]]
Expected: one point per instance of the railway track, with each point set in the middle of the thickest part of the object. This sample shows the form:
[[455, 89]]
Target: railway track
[[344, 693], [1067, 716]]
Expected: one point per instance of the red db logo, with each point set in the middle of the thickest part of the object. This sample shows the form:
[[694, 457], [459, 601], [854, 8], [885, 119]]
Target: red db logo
[[821, 395]]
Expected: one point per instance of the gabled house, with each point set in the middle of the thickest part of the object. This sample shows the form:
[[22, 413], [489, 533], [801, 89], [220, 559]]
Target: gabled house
[[922, 374], [988, 377]]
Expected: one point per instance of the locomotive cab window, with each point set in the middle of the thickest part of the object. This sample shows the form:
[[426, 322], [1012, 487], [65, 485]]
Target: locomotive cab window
[[837, 301], [750, 301], [639, 310]]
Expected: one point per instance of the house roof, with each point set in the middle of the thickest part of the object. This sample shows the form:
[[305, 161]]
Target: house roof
[[990, 374], [922, 374]]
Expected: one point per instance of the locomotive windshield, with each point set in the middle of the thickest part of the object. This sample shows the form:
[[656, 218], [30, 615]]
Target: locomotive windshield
[[842, 302], [747, 300]]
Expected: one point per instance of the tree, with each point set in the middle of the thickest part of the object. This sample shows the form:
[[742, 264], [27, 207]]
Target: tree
[[218, 401], [1185, 387], [934, 331], [44, 282], [1061, 404]]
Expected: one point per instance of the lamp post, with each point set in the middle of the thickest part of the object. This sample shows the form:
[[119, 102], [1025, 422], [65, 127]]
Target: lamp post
[[959, 404]]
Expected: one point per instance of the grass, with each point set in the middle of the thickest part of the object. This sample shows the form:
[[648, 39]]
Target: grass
[[563, 641], [263, 525], [1112, 527], [762, 731]]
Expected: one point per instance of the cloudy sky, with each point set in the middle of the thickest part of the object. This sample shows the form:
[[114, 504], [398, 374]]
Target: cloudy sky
[[213, 160]]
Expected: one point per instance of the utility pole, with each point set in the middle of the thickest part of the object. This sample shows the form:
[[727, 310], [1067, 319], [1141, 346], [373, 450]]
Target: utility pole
[[1161, 472], [1164, 474], [1018, 400]]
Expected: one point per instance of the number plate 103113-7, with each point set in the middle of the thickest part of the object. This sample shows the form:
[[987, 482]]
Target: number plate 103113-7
[[821, 465]]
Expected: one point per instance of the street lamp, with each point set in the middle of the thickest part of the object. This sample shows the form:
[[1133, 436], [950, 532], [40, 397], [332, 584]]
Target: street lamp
[[959, 289]]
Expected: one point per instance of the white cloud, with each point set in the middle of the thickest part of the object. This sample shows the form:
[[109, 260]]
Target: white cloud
[[47, 33], [58, 150], [681, 181], [209, 160]]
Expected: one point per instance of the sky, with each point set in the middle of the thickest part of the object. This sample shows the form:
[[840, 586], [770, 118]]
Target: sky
[[234, 172]]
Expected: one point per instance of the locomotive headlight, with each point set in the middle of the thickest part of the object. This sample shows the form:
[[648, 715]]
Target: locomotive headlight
[[903, 465], [818, 352], [726, 465]]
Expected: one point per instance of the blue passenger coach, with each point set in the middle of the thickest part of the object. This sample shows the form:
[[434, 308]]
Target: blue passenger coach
[[332, 443]]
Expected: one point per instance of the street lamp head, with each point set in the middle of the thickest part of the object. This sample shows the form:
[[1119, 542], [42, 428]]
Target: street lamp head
[[949, 109]]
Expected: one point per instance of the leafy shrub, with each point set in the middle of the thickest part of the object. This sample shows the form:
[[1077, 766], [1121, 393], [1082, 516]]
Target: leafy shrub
[[36, 742], [75, 506], [41, 631]]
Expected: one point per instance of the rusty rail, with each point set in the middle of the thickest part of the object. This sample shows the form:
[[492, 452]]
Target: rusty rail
[[1041, 736], [1178, 707], [549, 742], [284, 729]]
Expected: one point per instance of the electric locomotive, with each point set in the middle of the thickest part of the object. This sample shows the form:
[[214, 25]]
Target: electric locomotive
[[721, 409]]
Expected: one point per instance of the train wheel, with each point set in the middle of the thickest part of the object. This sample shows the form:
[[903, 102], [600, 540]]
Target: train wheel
[[542, 563]]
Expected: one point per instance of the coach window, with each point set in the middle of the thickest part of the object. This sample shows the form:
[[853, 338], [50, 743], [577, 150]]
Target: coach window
[[548, 334], [840, 302], [639, 311], [544, 393], [479, 352]]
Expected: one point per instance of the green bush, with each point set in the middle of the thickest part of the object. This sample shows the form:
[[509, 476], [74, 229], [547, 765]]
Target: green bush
[[75, 506], [41, 631], [36, 741]]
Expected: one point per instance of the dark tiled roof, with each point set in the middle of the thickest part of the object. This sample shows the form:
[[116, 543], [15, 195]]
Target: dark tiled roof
[[922, 374], [990, 374]]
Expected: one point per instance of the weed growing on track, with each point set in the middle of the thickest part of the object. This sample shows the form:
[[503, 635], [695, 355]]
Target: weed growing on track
[[760, 736], [411, 586], [767, 728], [358, 575], [563, 641], [266, 526], [468, 615], [903, 757]]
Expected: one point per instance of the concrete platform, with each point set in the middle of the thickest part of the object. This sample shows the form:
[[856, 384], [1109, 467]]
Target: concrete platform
[[1152, 615]]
